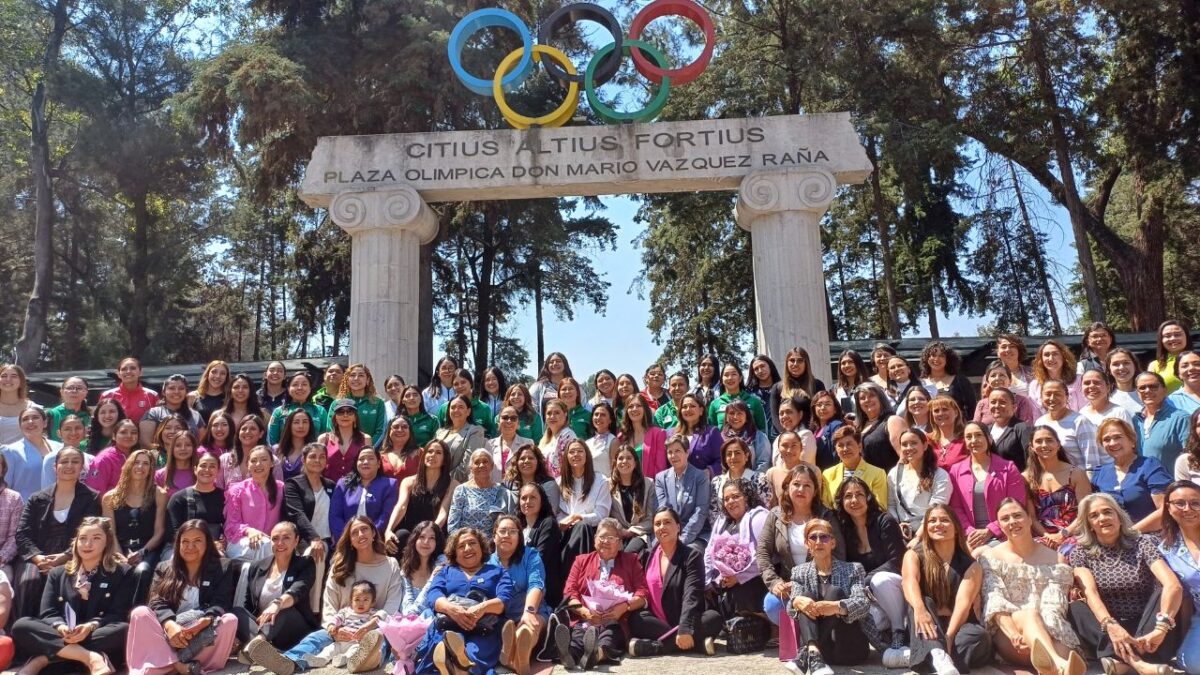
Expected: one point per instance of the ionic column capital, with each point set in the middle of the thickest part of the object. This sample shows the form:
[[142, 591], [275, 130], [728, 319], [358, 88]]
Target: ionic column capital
[[397, 208], [798, 188]]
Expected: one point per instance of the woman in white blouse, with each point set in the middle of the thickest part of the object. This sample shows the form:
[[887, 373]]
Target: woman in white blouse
[[602, 444], [916, 483], [584, 500]]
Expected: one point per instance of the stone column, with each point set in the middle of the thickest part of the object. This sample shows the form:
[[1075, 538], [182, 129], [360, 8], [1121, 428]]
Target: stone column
[[387, 229], [782, 209]]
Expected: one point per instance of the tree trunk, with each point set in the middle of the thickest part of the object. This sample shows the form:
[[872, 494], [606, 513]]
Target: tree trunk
[[1035, 250], [934, 332], [483, 308], [139, 276], [885, 241]]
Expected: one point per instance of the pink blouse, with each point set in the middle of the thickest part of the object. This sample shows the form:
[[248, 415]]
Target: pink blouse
[[247, 505]]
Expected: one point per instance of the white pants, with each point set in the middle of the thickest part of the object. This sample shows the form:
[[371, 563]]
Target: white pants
[[888, 610]]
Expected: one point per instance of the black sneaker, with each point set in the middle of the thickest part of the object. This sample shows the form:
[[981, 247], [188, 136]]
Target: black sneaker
[[639, 647], [816, 664], [562, 642], [798, 665]]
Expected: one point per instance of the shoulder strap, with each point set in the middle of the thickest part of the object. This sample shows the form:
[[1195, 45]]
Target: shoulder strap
[[900, 493]]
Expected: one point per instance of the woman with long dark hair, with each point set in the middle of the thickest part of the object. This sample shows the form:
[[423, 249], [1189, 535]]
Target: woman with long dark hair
[[421, 557], [940, 369], [493, 388], [364, 484], [424, 425], [545, 387], [1180, 542], [702, 439], [104, 422], [797, 378], [460, 435], [827, 417], [252, 507], [916, 484], [529, 421], [638, 432], [739, 423], [584, 500], [344, 440], [852, 371], [441, 384], [307, 499], [480, 414], [299, 393], [1174, 338], [298, 431], [242, 401], [174, 401], [526, 611], [399, 450], [708, 380], [540, 530], [251, 432], [425, 496], [632, 499]]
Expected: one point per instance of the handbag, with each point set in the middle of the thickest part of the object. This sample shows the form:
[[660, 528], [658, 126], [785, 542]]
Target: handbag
[[485, 626], [746, 634]]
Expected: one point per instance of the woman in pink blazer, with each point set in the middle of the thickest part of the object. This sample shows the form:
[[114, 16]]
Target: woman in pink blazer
[[981, 482]]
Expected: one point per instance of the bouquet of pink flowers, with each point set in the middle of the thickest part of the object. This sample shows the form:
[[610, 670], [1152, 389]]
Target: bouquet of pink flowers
[[729, 555], [602, 596], [404, 633]]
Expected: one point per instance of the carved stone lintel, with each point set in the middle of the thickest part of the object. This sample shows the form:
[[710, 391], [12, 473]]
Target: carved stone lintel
[[790, 189], [398, 208]]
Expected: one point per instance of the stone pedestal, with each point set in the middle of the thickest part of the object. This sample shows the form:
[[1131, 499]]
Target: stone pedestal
[[387, 229], [782, 209]]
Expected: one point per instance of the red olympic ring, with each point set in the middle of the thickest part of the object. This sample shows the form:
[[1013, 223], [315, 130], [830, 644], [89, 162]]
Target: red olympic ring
[[681, 8]]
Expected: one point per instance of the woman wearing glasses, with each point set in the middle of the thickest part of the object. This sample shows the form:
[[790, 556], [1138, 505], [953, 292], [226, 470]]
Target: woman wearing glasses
[[1180, 547], [504, 446]]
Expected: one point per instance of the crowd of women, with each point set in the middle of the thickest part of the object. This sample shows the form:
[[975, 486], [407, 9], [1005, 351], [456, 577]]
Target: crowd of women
[[1053, 512]]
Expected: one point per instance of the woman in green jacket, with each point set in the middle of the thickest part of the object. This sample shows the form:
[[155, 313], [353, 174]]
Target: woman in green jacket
[[358, 385]]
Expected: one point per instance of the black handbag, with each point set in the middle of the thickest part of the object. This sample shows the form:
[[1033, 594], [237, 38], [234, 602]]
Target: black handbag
[[747, 634], [486, 625]]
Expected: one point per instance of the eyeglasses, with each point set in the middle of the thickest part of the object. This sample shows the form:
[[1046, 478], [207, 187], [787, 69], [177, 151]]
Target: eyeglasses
[[606, 538], [75, 387], [820, 538], [1185, 504], [506, 532], [344, 411], [508, 418]]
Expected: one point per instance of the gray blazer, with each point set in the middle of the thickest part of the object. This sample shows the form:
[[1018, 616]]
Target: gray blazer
[[691, 503], [644, 527]]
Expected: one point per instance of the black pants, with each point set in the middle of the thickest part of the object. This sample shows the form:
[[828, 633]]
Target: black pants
[[972, 643], [143, 575], [27, 589], [288, 629], [636, 545], [643, 624], [1090, 633], [580, 539], [841, 643], [34, 637], [610, 641]]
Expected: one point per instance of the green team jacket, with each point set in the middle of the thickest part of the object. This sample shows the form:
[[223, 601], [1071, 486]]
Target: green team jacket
[[481, 414], [372, 415], [716, 410], [424, 427], [319, 416]]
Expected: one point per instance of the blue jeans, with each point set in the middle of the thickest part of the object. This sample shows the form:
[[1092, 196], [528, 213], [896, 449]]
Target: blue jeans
[[772, 605], [1189, 652], [312, 643]]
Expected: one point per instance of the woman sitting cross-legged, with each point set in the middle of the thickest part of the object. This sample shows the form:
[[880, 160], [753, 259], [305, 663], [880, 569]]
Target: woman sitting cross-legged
[[138, 509], [278, 608], [941, 583], [1025, 586], [421, 557], [830, 606], [741, 517], [477, 502], [526, 612], [188, 627], [1132, 598], [84, 607]]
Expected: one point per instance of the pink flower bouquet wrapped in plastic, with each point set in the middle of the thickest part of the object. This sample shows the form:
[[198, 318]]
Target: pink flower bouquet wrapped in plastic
[[729, 555], [602, 596], [404, 633]]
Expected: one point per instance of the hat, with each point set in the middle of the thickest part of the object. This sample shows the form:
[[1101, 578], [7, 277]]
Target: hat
[[343, 403]]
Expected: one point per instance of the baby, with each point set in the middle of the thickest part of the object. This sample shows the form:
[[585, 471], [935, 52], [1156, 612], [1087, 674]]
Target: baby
[[359, 618]]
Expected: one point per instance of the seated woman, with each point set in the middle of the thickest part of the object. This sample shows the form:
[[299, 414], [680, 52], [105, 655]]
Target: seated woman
[[1180, 537], [540, 530], [795, 414], [686, 489], [848, 445], [139, 511], [84, 608], [505, 445], [1131, 597], [526, 611], [278, 607], [188, 626], [11, 506], [252, 507], [947, 432], [528, 465], [741, 516], [306, 499], [477, 502], [203, 501], [1025, 597], [1058, 486], [584, 500], [941, 583], [595, 637], [873, 540], [980, 483], [917, 483], [632, 499], [675, 581], [998, 376], [364, 483], [788, 449], [703, 440], [739, 424], [829, 605], [180, 471], [1137, 483], [425, 496], [637, 430], [468, 596], [48, 523], [421, 557], [736, 464]]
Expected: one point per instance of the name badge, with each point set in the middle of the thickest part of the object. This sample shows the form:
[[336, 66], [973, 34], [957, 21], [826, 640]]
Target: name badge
[[205, 583], [287, 580], [104, 585]]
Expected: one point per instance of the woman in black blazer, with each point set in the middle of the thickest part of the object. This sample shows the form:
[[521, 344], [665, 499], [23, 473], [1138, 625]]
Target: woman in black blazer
[[542, 533], [675, 576], [300, 495], [48, 523], [283, 615], [84, 605]]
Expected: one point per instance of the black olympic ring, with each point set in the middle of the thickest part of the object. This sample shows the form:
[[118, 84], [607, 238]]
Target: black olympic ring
[[573, 13]]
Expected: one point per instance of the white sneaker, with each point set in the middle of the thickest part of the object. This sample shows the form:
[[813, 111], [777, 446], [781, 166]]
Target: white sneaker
[[897, 658], [339, 661], [791, 667], [942, 663]]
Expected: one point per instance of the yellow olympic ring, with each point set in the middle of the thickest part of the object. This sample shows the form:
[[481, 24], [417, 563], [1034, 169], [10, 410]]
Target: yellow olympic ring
[[561, 115]]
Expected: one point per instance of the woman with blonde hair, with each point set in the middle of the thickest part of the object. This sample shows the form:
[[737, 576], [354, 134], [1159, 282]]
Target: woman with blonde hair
[[138, 509], [946, 436], [1054, 361], [557, 435], [358, 385]]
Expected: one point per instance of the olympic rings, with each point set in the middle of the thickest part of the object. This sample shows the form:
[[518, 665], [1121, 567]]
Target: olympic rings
[[650, 62]]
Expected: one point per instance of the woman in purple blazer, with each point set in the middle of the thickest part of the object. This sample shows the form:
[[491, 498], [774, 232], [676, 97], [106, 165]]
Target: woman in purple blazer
[[367, 482]]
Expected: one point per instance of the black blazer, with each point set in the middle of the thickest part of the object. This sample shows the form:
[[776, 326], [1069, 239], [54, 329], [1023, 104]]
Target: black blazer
[[683, 589], [217, 583], [299, 502], [38, 514], [1013, 444], [108, 600], [887, 545], [297, 582], [547, 539]]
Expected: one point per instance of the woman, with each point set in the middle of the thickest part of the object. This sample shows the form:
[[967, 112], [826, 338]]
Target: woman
[[277, 608], [135, 399], [494, 387], [164, 436], [48, 522], [873, 540], [632, 497], [1011, 351], [1098, 340], [344, 441], [460, 436], [940, 366], [1173, 339], [667, 414], [1097, 387], [1136, 483], [393, 388], [399, 451], [331, 383], [827, 417], [795, 416], [685, 489], [1025, 592], [441, 384], [916, 409], [358, 386], [556, 437], [528, 466], [1179, 547], [504, 446], [73, 432], [702, 439], [605, 382], [946, 435], [11, 506], [307, 498], [14, 400], [603, 442], [32, 457], [741, 517], [212, 391], [545, 388], [529, 422], [424, 425], [365, 491], [762, 376], [879, 426], [638, 432], [829, 605], [421, 557], [781, 546], [526, 611], [298, 431], [1077, 434], [105, 470], [739, 424], [189, 620], [1057, 485], [1055, 362], [73, 397], [797, 379], [980, 483], [881, 354], [579, 417], [998, 376], [675, 619], [731, 383], [1187, 369], [1131, 597], [425, 496], [941, 582], [104, 423], [540, 530], [219, 438], [299, 389], [477, 502], [595, 637], [252, 508], [1187, 465], [852, 372], [708, 380], [655, 393], [1163, 427], [273, 393], [585, 499], [848, 445], [235, 465], [180, 471], [173, 402], [242, 400], [1123, 366], [916, 484], [83, 615], [469, 595], [139, 513], [480, 414], [204, 501], [735, 465]]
